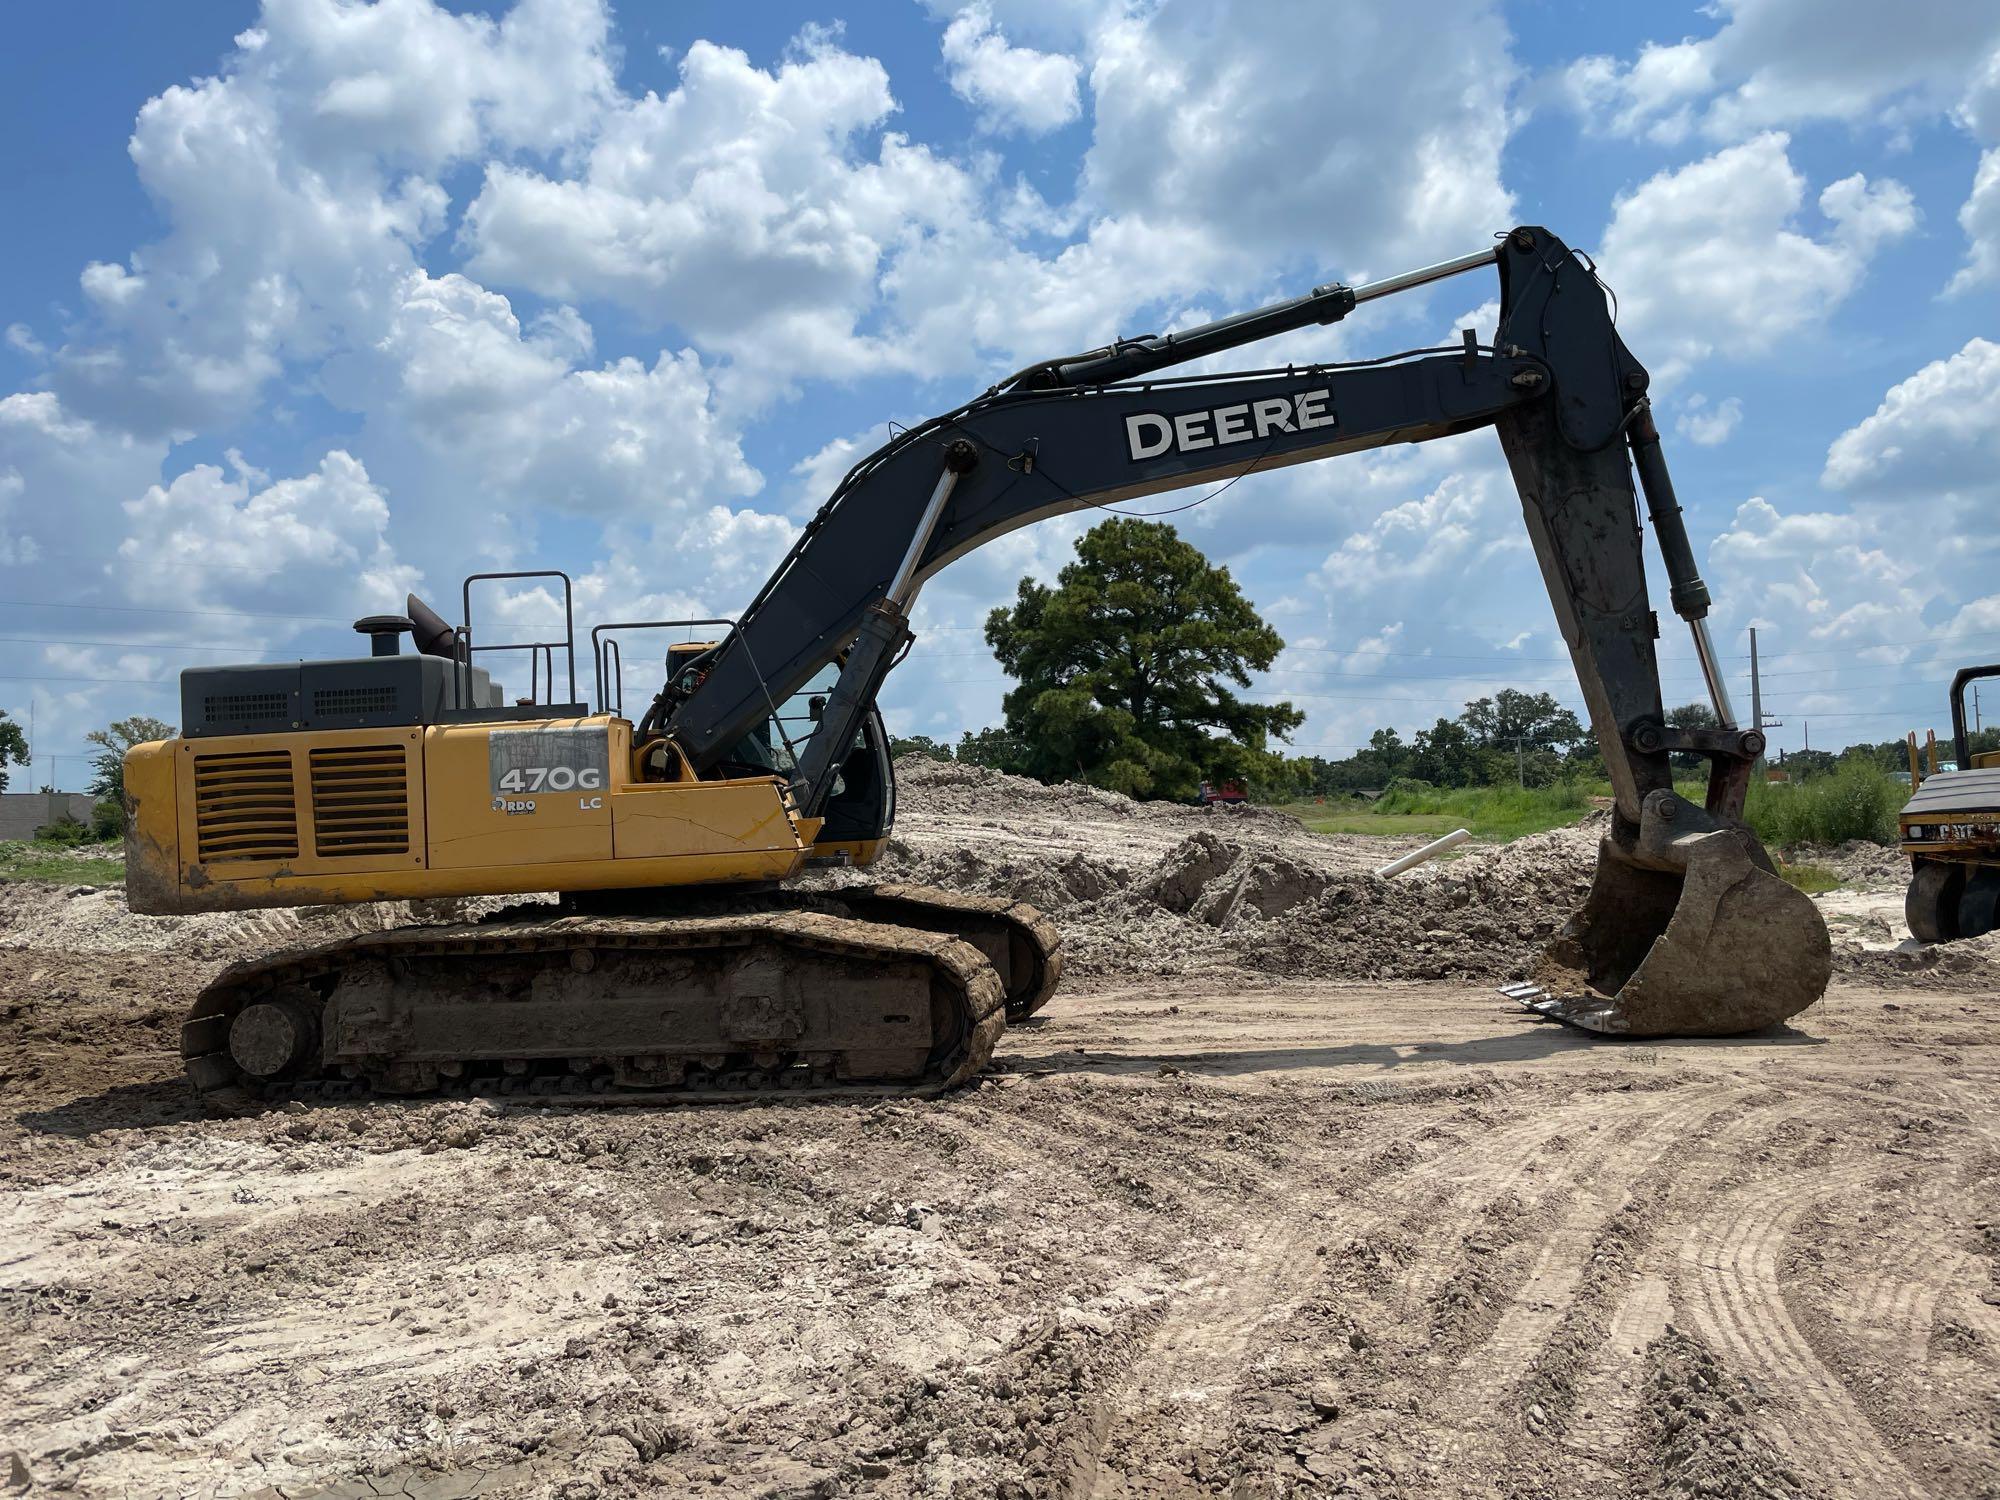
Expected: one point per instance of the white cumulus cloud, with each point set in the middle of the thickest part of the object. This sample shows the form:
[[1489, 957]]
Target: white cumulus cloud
[[1781, 62], [1710, 258], [1708, 425], [261, 544], [1012, 88], [1935, 434]]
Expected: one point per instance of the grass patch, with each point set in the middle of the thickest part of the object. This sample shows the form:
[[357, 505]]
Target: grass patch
[[1855, 800], [1500, 813], [60, 863], [1355, 819], [1812, 879]]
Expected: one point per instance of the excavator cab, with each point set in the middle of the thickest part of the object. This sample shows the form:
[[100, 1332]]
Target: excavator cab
[[861, 805]]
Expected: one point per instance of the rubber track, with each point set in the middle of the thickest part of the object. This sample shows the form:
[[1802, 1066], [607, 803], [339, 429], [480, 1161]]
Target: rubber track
[[221, 1085], [1029, 921]]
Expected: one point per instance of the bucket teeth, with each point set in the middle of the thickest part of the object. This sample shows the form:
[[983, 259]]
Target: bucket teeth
[[1586, 1012]]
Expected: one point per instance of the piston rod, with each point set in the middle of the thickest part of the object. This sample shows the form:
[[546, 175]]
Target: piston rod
[[1368, 291], [1130, 358], [1688, 592]]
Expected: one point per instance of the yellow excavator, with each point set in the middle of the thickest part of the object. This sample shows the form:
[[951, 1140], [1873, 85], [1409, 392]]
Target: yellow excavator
[[677, 963]]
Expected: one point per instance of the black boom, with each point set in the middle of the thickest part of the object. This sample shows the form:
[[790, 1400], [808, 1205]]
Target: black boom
[[1567, 398]]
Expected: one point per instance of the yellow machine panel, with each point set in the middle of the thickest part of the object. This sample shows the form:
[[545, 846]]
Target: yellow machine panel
[[342, 802], [236, 822], [858, 853], [703, 817], [517, 794]]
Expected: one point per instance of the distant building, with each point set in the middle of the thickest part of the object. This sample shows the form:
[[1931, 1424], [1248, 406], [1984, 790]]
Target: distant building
[[21, 813]]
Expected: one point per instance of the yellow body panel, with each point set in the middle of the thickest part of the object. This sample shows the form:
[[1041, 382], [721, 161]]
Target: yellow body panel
[[450, 810], [152, 828], [251, 775], [474, 825]]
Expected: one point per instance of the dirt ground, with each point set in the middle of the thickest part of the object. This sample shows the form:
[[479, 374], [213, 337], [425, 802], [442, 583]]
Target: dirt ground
[[1217, 1223]]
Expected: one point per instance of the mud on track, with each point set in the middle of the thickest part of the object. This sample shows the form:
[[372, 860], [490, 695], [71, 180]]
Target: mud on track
[[1212, 1234]]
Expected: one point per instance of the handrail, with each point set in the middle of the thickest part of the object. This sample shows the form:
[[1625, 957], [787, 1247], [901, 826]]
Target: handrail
[[598, 642], [546, 649]]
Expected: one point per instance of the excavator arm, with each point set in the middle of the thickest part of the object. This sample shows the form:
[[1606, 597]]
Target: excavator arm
[[1687, 929]]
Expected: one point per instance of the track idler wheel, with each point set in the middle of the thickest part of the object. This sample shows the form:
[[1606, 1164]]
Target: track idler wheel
[[1687, 931], [275, 1038]]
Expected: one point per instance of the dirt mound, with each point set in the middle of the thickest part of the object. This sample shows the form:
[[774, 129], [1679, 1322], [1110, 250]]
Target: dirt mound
[[1700, 1428], [95, 919], [1482, 917], [1858, 864], [1949, 966], [1156, 888], [942, 790]]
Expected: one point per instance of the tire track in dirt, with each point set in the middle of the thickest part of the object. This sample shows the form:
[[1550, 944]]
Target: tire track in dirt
[[1878, 1284], [1587, 1376], [1526, 1173], [1517, 1385], [1609, 1394], [1894, 1299], [1729, 1285], [1177, 1396], [1546, 1294], [1181, 1392], [1570, 1415], [1183, 1378]]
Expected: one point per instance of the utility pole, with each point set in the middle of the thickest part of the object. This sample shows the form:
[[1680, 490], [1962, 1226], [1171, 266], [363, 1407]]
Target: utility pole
[[1976, 725], [1756, 687], [1520, 764]]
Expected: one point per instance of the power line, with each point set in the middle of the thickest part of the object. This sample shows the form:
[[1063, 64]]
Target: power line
[[1848, 650], [51, 640], [135, 681], [138, 609]]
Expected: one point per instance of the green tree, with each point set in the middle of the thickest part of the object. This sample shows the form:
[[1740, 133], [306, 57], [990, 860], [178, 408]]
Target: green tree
[[1126, 668], [1800, 764], [1511, 716], [1446, 755], [918, 744], [13, 747], [113, 742], [994, 748]]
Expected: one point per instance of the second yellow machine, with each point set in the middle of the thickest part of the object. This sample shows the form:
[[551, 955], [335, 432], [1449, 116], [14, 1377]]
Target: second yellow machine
[[677, 961]]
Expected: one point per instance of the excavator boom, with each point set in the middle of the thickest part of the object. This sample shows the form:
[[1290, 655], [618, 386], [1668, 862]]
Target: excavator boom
[[1568, 402]]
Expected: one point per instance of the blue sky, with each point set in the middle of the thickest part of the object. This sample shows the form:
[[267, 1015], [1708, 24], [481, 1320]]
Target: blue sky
[[307, 302]]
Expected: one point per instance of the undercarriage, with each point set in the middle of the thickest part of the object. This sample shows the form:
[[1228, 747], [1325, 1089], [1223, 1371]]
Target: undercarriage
[[786, 994]]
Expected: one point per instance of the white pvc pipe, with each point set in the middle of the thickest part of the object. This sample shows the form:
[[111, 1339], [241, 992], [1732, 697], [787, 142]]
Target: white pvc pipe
[[1430, 851]]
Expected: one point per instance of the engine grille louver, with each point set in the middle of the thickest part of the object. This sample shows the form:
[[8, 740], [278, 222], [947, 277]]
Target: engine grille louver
[[248, 708], [360, 801], [336, 702], [244, 807]]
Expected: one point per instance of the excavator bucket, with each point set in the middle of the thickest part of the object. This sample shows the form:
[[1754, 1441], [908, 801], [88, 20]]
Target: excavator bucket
[[1687, 931]]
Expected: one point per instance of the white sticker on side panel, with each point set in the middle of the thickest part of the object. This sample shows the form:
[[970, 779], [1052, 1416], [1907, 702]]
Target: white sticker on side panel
[[530, 763]]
